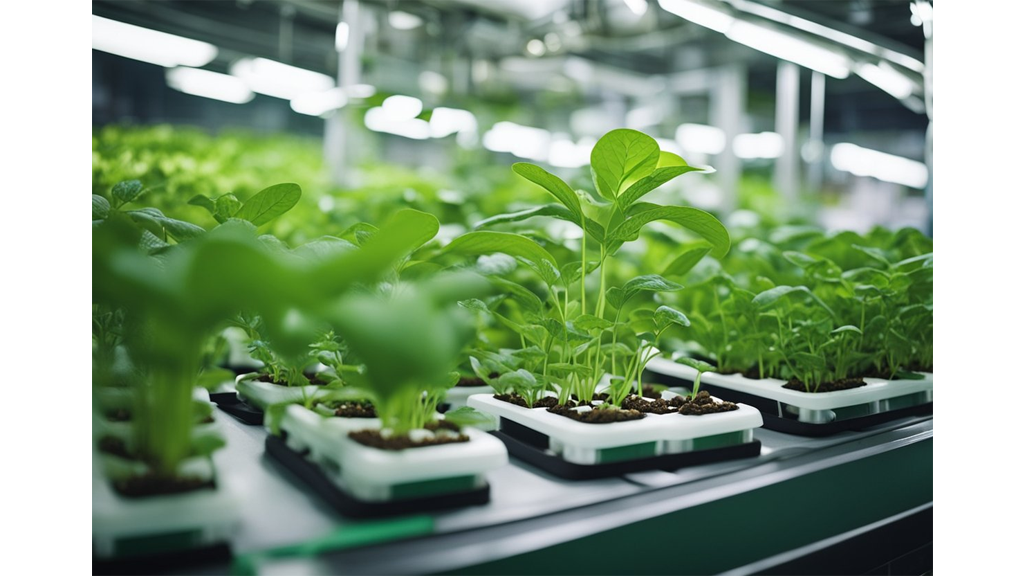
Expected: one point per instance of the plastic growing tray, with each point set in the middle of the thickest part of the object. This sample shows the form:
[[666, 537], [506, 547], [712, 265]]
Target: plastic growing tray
[[243, 412], [259, 394], [811, 414], [363, 481], [578, 450]]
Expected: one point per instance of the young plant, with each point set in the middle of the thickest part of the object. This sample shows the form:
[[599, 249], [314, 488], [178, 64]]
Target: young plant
[[700, 366]]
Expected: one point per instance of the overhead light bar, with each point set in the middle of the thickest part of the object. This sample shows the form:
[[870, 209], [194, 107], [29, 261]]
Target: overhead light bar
[[279, 80], [447, 121], [887, 167], [400, 107], [400, 20], [701, 139], [699, 13], [763, 145], [150, 46], [887, 78], [787, 47], [379, 120], [208, 85], [341, 37], [320, 103], [522, 141]]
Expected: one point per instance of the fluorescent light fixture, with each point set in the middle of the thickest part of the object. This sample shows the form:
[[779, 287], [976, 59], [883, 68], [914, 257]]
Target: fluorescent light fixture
[[701, 139], [279, 80], [402, 107], [150, 46], [887, 167], [563, 153], [448, 121], [887, 78], [787, 47], [320, 103], [380, 120], [638, 7], [360, 91], [403, 20], [341, 37], [763, 145], [699, 13], [208, 85], [520, 141]]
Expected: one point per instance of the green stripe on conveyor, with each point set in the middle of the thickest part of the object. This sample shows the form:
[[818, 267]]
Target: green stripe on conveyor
[[631, 452], [351, 536], [719, 440], [433, 487], [157, 543]]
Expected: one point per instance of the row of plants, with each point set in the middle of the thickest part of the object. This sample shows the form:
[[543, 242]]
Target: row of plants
[[542, 317]]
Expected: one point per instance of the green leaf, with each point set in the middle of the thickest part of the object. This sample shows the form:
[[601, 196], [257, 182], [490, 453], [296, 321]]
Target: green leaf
[[203, 201], [525, 297], [665, 316], [359, 233], [666, 159], [474, 304], [554, 185], [688, 257], [847, 328], [590, 322], [621, 156], [269, 203], [125, 192], [181, 230], [227, 206], [550, 210], [100, 207], [525, 250], [699, 221], [207, 444], [698, 365], [648, 183], [809, 361], [323, 248], [769, 297], [466, 416], [495, 264]]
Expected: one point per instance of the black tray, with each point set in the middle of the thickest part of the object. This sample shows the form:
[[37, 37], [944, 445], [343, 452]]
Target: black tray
[[174, 562], [531, 446], [229, 402], [789, 424], [349, 506]]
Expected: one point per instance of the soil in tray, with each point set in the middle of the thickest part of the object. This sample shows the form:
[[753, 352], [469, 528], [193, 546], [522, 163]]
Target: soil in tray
[[752, 373], [355, 410], [546, 402], [599, 416], [843, 384], [599, 396], [154, 485], [373, 438], [704, 404], [659, 406]]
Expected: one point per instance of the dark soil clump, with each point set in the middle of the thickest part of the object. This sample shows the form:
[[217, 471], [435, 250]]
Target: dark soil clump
[[702, 404], [599, 396], [355, 410], [843, 384], [598, 416], [153, 485], [651, 392], [545, 402], [659, 406], [373, 439]]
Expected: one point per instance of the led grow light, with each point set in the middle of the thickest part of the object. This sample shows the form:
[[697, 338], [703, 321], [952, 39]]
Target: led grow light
[[150, 46], [279, 80], [208, 85]]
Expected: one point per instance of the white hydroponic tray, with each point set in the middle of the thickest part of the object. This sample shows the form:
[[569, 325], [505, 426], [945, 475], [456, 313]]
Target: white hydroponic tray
[[578, 442], [263, 394], [875, 390], [210, 515], [369, 473], [458, 395]]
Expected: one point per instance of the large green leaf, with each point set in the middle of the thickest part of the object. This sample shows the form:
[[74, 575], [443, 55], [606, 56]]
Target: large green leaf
[[646, 283], [689, 256], [553, 184], [651, 182], [520, 247], [699, 221], [100, 207], [666, 315], [125, 192], [621, 156], [269, 203]]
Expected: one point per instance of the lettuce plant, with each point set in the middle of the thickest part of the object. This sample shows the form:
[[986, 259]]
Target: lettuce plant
[[577, 340]]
